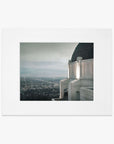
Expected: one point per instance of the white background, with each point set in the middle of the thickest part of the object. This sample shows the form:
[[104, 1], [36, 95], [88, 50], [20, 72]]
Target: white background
[[11, 105], [64, 129]]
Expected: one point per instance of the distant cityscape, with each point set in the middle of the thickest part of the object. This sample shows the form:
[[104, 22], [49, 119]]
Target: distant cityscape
[[42, 67], [34, 88]]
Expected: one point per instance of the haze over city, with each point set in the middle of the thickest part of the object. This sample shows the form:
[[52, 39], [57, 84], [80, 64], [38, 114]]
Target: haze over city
[[45, 59], [42, 66]]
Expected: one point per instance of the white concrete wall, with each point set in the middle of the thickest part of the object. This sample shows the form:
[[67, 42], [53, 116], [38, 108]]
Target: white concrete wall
[[80, 75], [63, 85], [87, 69], [75, 85], [82, 69], [72, 66], [86, 94]]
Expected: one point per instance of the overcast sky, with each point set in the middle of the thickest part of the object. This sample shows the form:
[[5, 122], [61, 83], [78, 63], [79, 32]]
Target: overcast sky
[[49, 59]]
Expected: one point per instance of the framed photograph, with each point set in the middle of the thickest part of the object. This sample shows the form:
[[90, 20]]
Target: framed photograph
[[56, 72]]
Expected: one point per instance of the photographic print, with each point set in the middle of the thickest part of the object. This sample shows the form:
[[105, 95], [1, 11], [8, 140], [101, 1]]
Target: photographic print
[[56, 71]]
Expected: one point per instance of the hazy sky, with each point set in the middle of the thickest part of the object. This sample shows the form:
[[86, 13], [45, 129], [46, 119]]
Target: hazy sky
[[45, 59]]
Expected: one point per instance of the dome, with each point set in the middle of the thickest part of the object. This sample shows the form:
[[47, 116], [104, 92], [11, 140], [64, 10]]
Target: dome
[[84, 50]]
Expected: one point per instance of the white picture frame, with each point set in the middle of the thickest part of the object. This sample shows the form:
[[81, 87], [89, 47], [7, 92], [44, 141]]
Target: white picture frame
[[102, 103]]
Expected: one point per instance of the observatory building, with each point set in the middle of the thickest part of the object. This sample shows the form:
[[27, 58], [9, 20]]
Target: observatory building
[[79, 84]]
